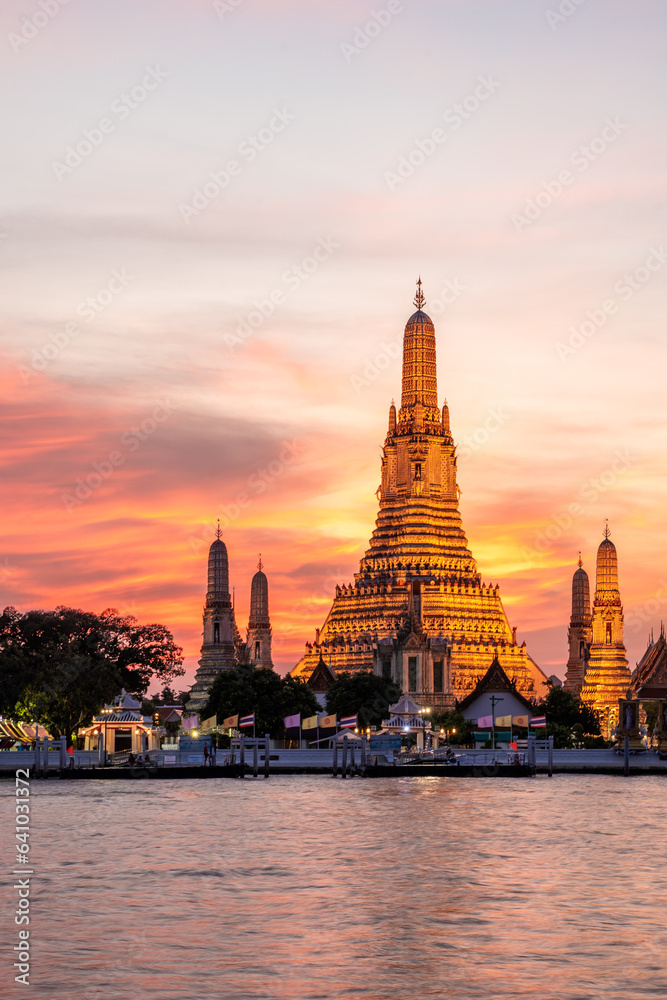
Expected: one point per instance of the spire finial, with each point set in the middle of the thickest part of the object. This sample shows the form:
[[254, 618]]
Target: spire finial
[[218, 533], [580, 562], [419, 297], [260, 563], [607, 532]]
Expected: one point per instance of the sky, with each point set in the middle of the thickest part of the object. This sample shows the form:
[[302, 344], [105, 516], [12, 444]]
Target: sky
[[212, 218]]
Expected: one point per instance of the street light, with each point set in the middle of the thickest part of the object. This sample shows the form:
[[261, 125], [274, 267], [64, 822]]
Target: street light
[[424, 712], [105, 713], [494, 701]]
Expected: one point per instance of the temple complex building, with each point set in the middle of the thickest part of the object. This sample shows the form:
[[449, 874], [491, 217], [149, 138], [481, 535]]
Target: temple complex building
[[649, 679], [607, 674], [418, 610], [222, 646], [579, 633]]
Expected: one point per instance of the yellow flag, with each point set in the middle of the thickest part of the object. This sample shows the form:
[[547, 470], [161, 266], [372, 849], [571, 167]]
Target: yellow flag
[[503, 720], [519, 720], [230, 723], [209, 723], [327, 722], [310, 723]]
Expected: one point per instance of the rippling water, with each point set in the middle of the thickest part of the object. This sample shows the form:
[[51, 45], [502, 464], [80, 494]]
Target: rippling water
[[300, 887]]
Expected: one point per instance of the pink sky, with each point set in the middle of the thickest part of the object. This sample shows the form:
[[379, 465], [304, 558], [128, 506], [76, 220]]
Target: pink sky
[[126, 345]]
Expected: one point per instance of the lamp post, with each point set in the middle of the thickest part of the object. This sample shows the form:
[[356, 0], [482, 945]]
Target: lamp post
[[494, 701], [424, 712], [105, 713]]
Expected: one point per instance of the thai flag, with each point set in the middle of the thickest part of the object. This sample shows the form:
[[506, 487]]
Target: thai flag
[[538, 721], [348, 721], [247, 720]]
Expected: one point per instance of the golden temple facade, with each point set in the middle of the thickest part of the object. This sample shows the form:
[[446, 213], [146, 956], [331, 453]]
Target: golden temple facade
[[418, 609]]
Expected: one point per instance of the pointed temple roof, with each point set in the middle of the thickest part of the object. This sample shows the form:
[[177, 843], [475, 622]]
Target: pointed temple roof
[[581, 592], [495, 679], [322, 676], [218, 570], [259, 599], [606, 583]]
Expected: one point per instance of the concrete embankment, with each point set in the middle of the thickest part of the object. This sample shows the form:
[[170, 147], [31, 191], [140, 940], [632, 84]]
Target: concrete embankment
[[469, 764]]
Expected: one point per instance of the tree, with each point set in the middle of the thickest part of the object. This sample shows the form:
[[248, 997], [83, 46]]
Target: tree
[[59, 667], [363, 694], [247, 689], [454, 720], [568, 720]]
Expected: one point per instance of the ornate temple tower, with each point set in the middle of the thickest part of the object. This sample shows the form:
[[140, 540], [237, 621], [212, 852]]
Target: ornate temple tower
[[607, 675], [218, 651], [418, 610], [579, 633], [258, 645]]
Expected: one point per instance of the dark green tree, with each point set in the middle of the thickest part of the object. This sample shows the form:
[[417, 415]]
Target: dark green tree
[[59, 667], [454, 720], [568, 720], [248, 689], [363, 694]]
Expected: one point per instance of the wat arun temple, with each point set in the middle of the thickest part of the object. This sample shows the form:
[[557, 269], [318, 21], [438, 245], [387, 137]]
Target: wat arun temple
[[418, 610]]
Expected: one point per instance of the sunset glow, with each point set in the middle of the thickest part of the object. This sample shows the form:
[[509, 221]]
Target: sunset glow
[[165, 367]]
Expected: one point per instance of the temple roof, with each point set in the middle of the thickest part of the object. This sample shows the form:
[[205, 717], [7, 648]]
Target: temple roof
[[650, 676], [495, 679], [322, 676]]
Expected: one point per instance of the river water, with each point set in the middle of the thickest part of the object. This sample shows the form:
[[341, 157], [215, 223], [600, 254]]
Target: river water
[[306, 888]]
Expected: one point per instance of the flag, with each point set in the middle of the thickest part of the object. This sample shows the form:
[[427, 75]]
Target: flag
[[70, 750], [190, 722], [485, 721], [247, 720], [513, 746], [209, 723], [503, 720], [538, 721], [292, 721], [310, 722], [519, 720], [327, 721], [348, 721], [231, 722]]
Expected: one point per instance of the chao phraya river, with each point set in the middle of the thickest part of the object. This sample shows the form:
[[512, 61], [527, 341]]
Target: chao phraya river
[[308, 887]]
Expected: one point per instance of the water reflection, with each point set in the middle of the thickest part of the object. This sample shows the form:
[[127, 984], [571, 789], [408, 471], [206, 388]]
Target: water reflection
[[298, 888]]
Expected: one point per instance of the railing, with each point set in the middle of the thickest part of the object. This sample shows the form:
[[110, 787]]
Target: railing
[[480, 758]]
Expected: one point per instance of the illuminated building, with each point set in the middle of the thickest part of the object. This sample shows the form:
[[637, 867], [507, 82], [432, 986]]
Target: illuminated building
[[579, 633], [607, 675], [418, 610], [122, 727]]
